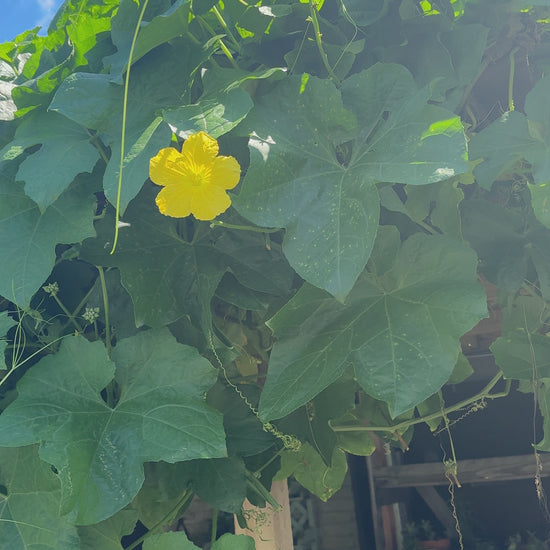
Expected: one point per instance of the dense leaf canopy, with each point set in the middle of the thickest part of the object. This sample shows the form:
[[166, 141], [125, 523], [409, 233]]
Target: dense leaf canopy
[[389, 176]]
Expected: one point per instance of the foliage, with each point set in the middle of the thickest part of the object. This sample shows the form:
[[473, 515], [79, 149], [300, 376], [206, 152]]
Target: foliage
[[394, 166]]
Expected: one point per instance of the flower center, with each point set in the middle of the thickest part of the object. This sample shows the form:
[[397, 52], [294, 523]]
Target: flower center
[[199, 175]]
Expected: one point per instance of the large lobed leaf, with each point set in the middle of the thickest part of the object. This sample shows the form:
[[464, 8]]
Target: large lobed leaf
[[98, 450], [65, 152], [28, 237], [316, 155], [29, 508], [515, 136], [400, 328]]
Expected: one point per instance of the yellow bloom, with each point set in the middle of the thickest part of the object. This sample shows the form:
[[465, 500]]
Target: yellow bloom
[[195, 180]]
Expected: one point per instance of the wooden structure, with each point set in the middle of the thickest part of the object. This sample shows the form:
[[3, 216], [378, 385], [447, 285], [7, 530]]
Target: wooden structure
[[390, 481], [387, 481], [271, 529]]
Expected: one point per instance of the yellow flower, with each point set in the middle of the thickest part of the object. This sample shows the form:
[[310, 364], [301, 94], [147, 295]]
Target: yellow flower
[[195, 180]]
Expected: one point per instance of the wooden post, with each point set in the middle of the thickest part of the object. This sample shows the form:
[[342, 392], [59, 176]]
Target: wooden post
[[271, 530]]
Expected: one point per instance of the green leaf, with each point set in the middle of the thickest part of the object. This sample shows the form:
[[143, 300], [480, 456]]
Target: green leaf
[[95, 102], [6, 323], [28, 237], [221, 483], [430, 405], [174, 540], [65, 152], [156, 29], [501, 145], [312, 473], [140, 147], [121, 309], [213, 116], [439, 204], [107, 534], [513, 137], [152, 257], [540, 195], [307, 175], [312, 423], [497, 234], [234, 542], [165, 486], [403, 139], [29, 509], [400, 329], [364, 15], [331, 403], [245, 435], [461, 371], [444, 58], [295, 181], [521, 356], [543, 400], [99, 450]]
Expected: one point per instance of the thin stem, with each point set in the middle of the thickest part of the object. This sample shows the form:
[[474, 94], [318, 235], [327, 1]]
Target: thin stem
[[486, 62], [106, 309], [223, 47], [318, 40], [220, 18], [214, 531], [82, 302], [18, 365], [511, 78], [19, 343], [124, 116], [184, 501], [67, 312], [254, 483], [242, 227], [274, 457], [94, 140], [227, 53], [484, 393]]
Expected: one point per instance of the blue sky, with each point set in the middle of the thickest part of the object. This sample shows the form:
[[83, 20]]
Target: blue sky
[[17, 16]]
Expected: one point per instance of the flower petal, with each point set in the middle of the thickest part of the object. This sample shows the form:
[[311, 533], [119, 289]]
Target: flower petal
[[208, 202], [225, 172], [200, 149], [168, 167], [174, 201]]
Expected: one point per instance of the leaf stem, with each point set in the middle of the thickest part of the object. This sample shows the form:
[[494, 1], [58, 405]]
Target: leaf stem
[[318, 39], [511, 78], [124, 116], [106, 309], [184, 501], [264, 466], [15, 366], [254, 483], [96, 142], [67, 312], [220, 18], [243, 227], [483, 394], [214, 530], [221, 43], [82, 302]]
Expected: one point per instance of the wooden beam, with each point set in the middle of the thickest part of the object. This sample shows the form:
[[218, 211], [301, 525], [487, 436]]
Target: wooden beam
[[270, 529], [479, 470], [439, 507]]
